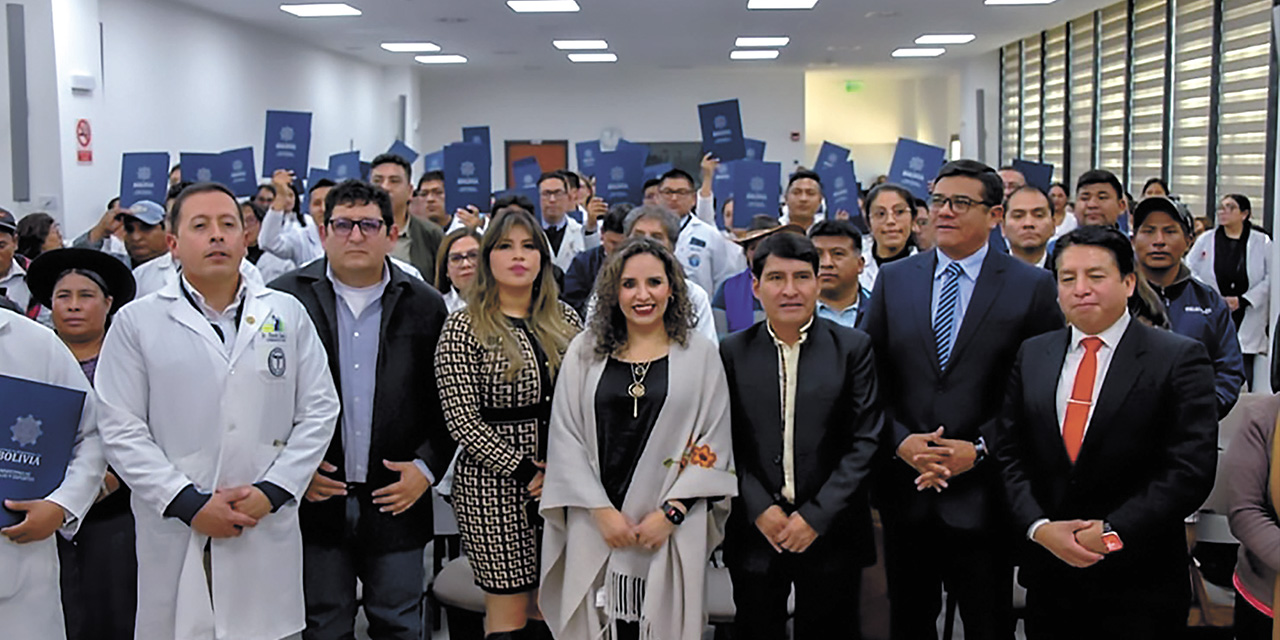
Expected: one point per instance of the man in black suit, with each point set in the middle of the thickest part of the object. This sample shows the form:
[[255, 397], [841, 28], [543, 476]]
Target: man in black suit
[[1108, 440], [806, 426], [367, 513], [946, 325]]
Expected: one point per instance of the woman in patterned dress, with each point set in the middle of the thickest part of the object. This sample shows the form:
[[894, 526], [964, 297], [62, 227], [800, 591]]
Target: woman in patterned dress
[[496, 365]]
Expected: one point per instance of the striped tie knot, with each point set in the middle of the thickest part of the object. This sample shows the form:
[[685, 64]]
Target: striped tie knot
[[945, 320]]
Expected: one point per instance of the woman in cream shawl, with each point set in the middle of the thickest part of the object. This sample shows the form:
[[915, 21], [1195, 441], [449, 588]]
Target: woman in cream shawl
[[639, 459]]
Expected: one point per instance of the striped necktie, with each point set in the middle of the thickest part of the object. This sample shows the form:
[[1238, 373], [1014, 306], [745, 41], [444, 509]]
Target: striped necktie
[[944, 323]]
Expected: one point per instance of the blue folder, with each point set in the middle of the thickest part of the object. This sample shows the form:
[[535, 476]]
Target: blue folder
[[288, 142], [204, 167], [466, 176], [755, 149], [620, 176], [830, 156], [587, 153], [722, 130], [915, 165], [1038, 174], [345, 166], [144, 176], [38, 427], [241, 176], [757, 189], [525, 173], [403, 150]]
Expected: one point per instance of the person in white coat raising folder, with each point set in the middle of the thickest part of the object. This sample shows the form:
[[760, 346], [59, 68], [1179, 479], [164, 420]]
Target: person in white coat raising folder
[[219, 405]]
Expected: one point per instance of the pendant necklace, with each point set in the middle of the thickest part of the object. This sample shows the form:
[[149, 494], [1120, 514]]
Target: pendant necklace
[[638, 371]]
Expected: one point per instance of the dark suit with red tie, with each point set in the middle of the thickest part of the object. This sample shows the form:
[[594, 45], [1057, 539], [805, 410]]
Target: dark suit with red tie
[[1146, 461], [960, 535]]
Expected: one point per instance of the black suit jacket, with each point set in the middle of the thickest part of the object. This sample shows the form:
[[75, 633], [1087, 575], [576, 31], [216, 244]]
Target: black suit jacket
[[837, 429], [408, 421], [1147, 461], [1011, 301], [580, 279]]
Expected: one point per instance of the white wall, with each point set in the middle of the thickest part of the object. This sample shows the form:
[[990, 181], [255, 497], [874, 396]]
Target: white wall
[[42, 91], [920, 105], [577, 103], [981, 72], [171, 78]]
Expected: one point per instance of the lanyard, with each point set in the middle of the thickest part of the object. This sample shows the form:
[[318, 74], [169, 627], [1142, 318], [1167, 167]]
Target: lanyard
[[216, 329]]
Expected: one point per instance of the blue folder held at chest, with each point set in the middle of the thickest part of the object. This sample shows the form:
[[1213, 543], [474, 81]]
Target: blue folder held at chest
[[38, 427]]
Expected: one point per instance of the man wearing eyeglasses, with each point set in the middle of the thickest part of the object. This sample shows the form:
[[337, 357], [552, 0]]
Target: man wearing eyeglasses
[[707, 256], [567, 236], [946, 325], [367, 513]]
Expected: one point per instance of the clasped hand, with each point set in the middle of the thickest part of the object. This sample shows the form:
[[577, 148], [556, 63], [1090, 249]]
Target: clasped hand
[[936, 458]]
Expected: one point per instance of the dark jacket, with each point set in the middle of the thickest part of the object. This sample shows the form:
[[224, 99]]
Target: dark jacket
[[1147, 461], [580, 279], [1011, 301], [837, 431], [408, 422], [1197, 311], [425, 238]]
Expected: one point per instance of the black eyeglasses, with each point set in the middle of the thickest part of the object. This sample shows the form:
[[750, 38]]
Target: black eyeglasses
[[959, 204], [343, 226]]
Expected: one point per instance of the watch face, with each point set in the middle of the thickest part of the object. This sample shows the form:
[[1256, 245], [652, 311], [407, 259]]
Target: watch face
[[1112, 541]]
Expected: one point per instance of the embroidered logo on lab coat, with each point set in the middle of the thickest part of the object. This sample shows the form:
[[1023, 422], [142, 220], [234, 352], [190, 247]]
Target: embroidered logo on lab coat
[[272, 329], [276, 363]]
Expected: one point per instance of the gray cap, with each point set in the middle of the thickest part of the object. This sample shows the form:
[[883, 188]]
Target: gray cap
[[146, 211], [1176, 210], [8, 223]]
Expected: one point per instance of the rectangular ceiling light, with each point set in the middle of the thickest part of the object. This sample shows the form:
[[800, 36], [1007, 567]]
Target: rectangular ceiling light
[[579, 45], [321, 10], [411, 47], [781, 4], [754, 54], [758, 41], [1016, 2], [918, 52], [543, 6], [593, 57], [445, 59], [946, 38]]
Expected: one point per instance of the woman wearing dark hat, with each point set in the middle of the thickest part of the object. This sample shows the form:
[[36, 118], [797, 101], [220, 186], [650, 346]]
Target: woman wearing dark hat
[[83, 288]]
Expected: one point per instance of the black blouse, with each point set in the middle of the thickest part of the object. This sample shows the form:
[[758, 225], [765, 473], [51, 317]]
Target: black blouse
[[622, 437], [1230, 267]]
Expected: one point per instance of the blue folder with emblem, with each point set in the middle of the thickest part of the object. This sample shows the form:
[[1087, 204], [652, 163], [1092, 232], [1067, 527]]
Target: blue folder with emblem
[[477, 135], [722, 190], [587, 153], [830, 156], [345, 166], [840, 188], [1038, 174], [466, 176], [525, 173], [755, 149], [38, 427], [757, 189], [655, 171], [620, 176], [531, 193], [915, 165], [144, 176], [288, 142], [204, 167], [434, 161], [722, 130], [627, 145], [241, 177], [399, 148]]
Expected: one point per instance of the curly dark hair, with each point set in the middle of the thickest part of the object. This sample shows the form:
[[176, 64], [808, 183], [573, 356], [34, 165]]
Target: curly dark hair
[[609, 325]]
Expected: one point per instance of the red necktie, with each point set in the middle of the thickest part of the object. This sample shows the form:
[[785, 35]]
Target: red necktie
[[1081, 398]]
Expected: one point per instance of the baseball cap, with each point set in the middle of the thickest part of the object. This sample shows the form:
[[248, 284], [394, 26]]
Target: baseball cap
[[145, 211], [7, 222], [1176, 210]]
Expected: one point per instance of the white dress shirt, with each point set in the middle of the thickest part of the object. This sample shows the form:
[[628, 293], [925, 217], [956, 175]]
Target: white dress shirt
[[788, 382]]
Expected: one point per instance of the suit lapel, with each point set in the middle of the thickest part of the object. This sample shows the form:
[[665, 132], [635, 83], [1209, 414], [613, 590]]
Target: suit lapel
[[765, 402], [920, 284], [809, 369], [1042, 377], [985, 292], [186, 315], [1122, 373], [256, 310]]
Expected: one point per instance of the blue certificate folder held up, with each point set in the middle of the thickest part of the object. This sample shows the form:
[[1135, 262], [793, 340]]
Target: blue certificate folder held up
[[38, 427], [588, 152], [755, 149], [241, 180], [1038, 174], [288, 142], [525, 173], [757, 189], [620, 176], [477, 135], [915, 164], [722, 130], [841, 188], [345, 166], [143, 176], [204, 167], [466, 176], [830, 156]]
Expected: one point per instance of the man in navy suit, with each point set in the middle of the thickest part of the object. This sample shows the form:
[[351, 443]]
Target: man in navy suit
[[1108, 440], [946, 325]]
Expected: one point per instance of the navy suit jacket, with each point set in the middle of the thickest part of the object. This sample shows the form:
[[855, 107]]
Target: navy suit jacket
[[1147, 461], [1011, 301]]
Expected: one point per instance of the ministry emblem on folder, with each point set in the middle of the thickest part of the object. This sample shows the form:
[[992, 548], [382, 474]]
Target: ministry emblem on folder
[[721, 122], [203, 174], [618, 173], [26, 431], [917, 164], [839, 183], [144, 173], [286, 133], [757, 184], [468, 168], [237, 165], [832, 158]]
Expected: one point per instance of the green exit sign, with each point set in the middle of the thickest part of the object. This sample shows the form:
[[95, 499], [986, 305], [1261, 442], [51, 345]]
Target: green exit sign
[[853, 86]]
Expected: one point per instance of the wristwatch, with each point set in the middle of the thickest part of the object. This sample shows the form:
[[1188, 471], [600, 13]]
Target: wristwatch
[[1111, 539], [980, 448], [675, 515]]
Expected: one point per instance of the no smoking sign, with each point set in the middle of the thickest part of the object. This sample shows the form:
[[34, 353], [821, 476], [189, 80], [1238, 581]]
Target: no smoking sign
[[84, 142]]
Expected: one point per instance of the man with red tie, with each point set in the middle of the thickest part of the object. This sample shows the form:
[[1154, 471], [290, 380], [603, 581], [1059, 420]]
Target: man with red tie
[[1107, 442]]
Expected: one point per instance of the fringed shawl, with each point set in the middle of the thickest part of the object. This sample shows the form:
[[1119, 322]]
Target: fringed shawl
[[688, 455]]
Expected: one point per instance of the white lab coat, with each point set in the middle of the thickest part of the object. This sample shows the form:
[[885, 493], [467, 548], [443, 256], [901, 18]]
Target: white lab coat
[[272, 266], [1253, 328], [575, 241], [281, 234], [707, 257], [30, 600], [159, 273], [179, 412]]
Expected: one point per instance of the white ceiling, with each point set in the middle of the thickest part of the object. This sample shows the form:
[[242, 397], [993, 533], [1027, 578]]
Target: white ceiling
[[658, 33]]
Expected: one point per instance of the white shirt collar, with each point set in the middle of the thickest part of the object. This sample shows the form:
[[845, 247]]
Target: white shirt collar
[[15, 269], [204, 306], [804, 332], [346, 292], [1110, 336], [971, 265]]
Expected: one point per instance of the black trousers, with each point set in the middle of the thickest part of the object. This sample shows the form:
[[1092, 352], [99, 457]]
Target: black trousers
[[976, 569], [1096, 612], [100, 579], [827, 595], [1249, 623]]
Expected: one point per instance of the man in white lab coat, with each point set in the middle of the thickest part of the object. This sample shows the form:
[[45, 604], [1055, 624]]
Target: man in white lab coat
[[218, 408], [30, 602]]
